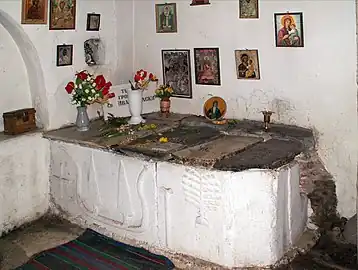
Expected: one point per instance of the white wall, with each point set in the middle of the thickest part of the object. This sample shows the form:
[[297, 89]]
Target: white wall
[[15, 91], [24, 180], [114, 32], [314, 86]]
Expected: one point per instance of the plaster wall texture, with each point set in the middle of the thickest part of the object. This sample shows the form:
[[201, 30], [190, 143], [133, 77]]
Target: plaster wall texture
[[242, 219], [15, 88], [303, 86], [24, 185], [37, 45]]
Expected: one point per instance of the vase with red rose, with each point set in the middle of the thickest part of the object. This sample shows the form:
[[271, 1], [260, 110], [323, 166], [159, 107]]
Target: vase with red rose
[[164, 92], [135, 95], [85, 90]]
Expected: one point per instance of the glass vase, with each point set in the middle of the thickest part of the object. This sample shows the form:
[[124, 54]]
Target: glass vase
[[82, 120]]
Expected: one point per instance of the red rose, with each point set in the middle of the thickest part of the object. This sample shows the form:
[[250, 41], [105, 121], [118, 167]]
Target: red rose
[[105, 89], [151, 76], [100, 81], [137, 78], [69, 87], [144, 74], [82, 75], [111, 95]]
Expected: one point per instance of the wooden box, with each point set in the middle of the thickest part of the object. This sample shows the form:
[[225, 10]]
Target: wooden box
[[19, 121]]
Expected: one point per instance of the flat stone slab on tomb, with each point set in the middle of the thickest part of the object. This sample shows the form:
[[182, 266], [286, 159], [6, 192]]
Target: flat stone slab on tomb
[[152, 148], [210, 152], [200, 121], [71, 135], [128, 138], [276, 131], [270, 154], [172, 117], [178, 138], [187, 136]]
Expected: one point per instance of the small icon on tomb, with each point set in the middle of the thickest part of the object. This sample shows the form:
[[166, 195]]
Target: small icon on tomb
[[215, 110]]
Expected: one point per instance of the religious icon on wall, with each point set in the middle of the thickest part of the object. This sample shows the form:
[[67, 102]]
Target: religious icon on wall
[[62, 14], [289, 29], [176, 72], [93, 22], [34, 12], [215, 108], [248, 9], [247, 64], [64, 55], [166, 18], [207, 66], [199, 2]]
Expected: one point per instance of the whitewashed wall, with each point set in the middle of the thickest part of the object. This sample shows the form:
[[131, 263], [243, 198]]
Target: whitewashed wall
[[15, 91], [24, 180], [314, 86], [115, 32]]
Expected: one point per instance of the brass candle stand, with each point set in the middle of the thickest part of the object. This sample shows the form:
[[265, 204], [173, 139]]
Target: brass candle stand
[[267, 119]]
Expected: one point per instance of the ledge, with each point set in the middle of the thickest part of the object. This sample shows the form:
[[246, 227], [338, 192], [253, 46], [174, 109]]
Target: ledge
[[4, 137], [237, 146]]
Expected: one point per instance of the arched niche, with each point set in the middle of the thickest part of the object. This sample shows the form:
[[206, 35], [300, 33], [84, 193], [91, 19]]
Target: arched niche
[[33, 67]]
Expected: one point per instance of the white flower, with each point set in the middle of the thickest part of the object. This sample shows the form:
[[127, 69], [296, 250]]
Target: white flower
[[96, 95], [94, 84], [93, 91], [86, 91], [88, 78], [90, 98], [76, 86], [80, 86], [83, 99]]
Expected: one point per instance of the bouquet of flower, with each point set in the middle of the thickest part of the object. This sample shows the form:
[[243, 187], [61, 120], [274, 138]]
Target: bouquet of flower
[[142, 80], [87, 89], [164, 91]]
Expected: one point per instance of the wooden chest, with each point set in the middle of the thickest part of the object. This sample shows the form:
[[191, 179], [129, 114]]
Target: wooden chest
[[19, 121]]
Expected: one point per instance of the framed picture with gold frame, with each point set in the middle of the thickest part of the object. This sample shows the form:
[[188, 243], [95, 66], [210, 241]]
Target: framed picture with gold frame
[[62, 14], [34, 11]]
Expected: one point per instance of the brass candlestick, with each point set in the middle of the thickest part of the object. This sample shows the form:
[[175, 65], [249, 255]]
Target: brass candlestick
[[267, 119]]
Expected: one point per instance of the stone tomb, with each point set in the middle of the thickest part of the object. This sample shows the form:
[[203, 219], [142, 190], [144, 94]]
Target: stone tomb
[[237, 214]]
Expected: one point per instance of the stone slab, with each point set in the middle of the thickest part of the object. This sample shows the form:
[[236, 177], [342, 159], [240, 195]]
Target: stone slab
[[172, 117], [276, 131], [92, 137], [271, 154], [71, 135], [216, 149], [157, 147], [187, 136]]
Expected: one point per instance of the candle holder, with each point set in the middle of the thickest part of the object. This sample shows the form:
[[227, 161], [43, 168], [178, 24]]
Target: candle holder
[[267, 119]]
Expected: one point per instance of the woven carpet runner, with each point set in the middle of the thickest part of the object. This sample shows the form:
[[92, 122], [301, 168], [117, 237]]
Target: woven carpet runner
[[94, 251]]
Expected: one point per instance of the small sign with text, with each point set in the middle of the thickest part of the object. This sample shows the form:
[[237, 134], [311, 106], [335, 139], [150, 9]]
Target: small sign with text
[[120, 103]]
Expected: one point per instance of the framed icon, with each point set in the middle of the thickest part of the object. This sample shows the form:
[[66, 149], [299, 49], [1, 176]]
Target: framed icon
[[64, 55]]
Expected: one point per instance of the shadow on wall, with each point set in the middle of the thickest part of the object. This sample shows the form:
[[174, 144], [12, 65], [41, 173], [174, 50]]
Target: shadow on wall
[[33, 67]]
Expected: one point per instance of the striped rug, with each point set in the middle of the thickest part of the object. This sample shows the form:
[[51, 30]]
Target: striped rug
[[94, 251]]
